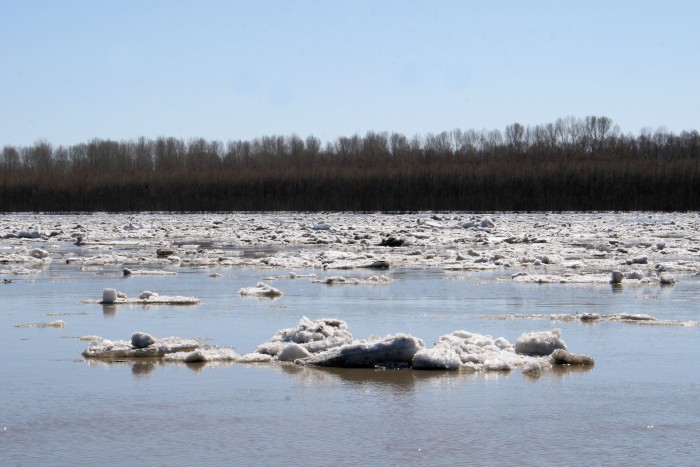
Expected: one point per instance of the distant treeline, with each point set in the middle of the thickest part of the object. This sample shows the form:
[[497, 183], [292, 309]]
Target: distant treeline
[[571, 164]]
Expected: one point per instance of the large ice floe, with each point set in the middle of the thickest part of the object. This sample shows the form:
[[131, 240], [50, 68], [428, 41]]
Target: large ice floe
[[329, 343], [476, 352]]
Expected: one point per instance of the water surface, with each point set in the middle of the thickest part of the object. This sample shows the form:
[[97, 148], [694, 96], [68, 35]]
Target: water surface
[[639, 405]]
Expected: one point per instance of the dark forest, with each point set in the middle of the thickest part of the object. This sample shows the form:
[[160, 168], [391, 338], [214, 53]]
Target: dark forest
[[572, 164]]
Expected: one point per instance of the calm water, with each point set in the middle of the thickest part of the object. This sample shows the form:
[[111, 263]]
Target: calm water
[[639, 405]]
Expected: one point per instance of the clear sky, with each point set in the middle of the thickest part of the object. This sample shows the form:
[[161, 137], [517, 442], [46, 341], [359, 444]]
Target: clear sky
[[74, 70]]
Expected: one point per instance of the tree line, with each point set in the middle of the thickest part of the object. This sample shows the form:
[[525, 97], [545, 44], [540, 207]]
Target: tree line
[[570, 164]]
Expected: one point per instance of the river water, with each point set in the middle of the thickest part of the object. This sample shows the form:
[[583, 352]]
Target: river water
[[639, 404]]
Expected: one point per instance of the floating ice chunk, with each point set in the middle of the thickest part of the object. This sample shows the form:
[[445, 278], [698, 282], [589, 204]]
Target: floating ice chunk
[[393, 350], [635, 274], [52, 324], [203, 354], [124, 349], [334, 280], [147, 272], [616, 277], [141, 340], [146, 294], [154, 299], [539, 343], [29, 234], [486, 223], [90, 338], [331, 280], [294, 275], [196, 356], [641, 259], [109, 295], [38, 253], [437, 358], [497, 365], [532, 369], [291, 352], [502, 343], [314, 336], [666, 279], [254, 357], [320, 226], [562, 357], [260, 290]]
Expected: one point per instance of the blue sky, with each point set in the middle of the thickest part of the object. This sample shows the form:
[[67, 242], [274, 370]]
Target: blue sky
[[71, 71]]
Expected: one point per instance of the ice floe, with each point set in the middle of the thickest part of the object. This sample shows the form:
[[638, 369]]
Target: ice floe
[[113, 297], [329, 343], [52, 324], [341, 280], [634, 318], [140, 345], [260, 290]]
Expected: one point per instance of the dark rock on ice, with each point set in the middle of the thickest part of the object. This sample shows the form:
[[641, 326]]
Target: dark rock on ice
[[377, 265], [164, 253], [392, 242]]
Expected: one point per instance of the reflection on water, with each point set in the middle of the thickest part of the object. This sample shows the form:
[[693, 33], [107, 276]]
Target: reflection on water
[[108, 311], [143, 367]]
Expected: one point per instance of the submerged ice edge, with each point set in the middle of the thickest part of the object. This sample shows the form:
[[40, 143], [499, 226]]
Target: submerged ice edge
[[329, 343], [633, 318]]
